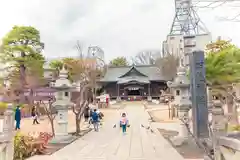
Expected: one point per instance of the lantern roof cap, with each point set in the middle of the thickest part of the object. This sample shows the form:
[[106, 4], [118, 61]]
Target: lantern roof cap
[[181, 81]]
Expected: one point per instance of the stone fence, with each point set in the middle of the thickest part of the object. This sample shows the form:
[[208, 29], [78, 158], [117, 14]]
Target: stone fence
[[7, 134], [228, 147]]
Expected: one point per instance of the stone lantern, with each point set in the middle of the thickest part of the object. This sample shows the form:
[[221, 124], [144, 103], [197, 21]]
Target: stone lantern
[[181, 88], [63, 101], [48, 72]]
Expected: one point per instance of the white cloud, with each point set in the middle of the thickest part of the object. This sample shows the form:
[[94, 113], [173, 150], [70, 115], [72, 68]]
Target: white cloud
[[119, 27]]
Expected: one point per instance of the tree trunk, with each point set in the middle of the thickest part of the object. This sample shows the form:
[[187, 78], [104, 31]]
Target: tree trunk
[[169, 111], [77, 121], [172, 112], [229, 103], [94, 95], [52, 127]]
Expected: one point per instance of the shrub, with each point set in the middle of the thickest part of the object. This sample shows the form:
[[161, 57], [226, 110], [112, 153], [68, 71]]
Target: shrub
[[234, 128], [20, 150], [27, 146]]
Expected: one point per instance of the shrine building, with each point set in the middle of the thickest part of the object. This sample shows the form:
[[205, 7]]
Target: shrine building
[[134, 82]]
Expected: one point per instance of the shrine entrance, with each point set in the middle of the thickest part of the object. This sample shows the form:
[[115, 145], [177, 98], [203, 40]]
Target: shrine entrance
[[135, 91]]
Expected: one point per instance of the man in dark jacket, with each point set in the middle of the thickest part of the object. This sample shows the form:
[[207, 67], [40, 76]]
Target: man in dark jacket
[[18, 117], [95, 120], [86, 114]]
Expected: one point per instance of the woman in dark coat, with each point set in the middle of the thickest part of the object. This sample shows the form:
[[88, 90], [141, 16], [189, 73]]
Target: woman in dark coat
[[18, 117], [86, 114], [34, 115]]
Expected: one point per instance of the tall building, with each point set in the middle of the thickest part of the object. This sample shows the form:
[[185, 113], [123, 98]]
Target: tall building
[[174, 44], [186, 23]]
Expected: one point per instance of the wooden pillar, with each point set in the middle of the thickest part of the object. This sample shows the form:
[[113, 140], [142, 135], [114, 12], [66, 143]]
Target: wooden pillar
[[149, 98], [149, 90], [118, 90], [118, 96]]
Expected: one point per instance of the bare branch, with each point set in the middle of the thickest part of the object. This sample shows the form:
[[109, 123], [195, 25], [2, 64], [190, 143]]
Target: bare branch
[[213, 4], [79, 49], [146, 57]]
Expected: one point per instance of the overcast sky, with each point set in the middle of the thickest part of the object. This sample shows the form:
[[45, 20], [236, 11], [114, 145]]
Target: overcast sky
[[119, 27]]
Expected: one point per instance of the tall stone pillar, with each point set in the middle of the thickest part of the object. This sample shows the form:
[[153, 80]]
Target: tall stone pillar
[[8, 132]]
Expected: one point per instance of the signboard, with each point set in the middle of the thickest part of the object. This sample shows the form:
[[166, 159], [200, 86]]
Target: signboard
[[43, 94], [133, 89], [199, 94]]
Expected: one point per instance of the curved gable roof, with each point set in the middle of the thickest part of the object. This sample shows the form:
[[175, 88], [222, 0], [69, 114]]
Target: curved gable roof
[[153, 73], [133, 69]]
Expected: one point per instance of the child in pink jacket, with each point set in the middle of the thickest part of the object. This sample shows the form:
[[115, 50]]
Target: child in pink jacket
[[124, 122]]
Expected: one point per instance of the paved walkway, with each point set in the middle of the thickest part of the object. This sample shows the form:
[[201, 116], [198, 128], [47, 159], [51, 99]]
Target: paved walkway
[[110, 144]]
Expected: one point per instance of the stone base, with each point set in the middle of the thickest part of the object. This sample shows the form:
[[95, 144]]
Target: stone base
[[63, 139], [179, 141], [119, 99], [149, 99]]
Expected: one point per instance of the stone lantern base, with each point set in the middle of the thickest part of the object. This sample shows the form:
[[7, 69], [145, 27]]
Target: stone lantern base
[[119, 99], [183, 135], [149, 99], [61, 128]]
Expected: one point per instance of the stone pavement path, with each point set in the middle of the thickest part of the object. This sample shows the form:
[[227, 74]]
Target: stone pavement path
[[110, 144]]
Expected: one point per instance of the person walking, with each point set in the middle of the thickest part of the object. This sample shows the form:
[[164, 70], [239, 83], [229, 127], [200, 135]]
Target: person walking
[[124, 122], [35, 115], [86, 113], [18, 117], [95, 120]]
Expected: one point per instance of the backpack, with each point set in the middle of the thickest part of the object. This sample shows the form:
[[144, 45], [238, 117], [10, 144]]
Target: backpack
[[95, 117]]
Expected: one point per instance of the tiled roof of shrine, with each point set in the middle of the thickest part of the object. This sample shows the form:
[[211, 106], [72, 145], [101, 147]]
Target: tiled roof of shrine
[[150, 72]]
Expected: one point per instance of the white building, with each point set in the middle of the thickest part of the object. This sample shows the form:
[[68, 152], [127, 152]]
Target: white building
[[175, 44]]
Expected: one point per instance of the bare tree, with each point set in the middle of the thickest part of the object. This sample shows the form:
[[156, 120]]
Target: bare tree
[[49, 110], [168, 65], [85, 74], [85, 87], [35, 84], [81, 104], [95, 59], [147, 57]]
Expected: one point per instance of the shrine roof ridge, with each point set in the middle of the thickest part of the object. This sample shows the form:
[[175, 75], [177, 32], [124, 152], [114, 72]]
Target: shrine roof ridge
[[152, 72], [130, 66]]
